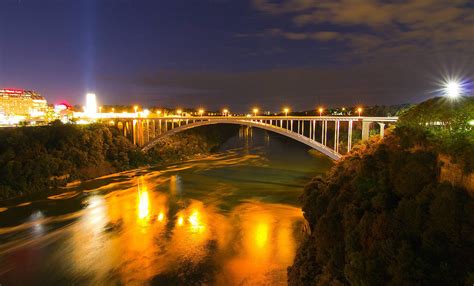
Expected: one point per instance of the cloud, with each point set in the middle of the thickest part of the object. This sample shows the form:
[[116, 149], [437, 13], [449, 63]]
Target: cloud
[[379, 25]]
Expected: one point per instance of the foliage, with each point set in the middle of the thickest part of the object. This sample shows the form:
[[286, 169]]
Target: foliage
[[445, 125], [381, 218], [36, 159]]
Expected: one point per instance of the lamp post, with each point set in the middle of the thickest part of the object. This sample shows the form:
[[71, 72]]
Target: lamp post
[[201, 112], [179, 111], [359, 110], [225, 111], [286, 110], [158, 112], [320, 111], [135, 108], [255, 111]]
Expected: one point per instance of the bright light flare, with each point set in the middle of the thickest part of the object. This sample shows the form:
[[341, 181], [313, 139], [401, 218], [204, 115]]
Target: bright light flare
[[453, 89]]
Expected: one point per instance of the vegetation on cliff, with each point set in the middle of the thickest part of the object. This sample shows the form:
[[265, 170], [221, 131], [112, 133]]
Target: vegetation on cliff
[[35, 159], [381, 217]]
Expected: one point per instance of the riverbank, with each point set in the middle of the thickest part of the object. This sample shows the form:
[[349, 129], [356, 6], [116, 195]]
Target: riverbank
[[38, 159]]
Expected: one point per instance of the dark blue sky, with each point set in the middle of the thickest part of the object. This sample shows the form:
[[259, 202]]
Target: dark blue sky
[[238, 53]]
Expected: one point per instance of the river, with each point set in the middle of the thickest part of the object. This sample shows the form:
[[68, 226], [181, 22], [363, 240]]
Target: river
[[231, 218]]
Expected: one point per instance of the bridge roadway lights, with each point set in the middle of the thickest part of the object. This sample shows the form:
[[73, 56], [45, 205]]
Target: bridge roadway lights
[[146, 135]]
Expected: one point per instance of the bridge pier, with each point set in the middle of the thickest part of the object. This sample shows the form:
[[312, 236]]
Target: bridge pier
[[382, 129], [349, 136], [365, 130]]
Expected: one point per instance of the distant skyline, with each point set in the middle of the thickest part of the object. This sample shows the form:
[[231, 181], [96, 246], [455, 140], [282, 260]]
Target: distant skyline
[[240, 54]]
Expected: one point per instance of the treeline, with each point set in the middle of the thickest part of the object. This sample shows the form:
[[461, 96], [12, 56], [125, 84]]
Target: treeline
[[36, 159], [381, 216]]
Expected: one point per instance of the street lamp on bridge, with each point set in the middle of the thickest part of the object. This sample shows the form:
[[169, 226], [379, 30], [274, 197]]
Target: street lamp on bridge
[[359, 110], [320, 111], [201, 112], [225, 111], [286, 110], [255, 111], [158, 112], [179, 111]]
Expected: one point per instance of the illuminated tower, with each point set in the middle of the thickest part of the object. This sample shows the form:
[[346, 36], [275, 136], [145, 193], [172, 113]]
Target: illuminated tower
[[91, 105]]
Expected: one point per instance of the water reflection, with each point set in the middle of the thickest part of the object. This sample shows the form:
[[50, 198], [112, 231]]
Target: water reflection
[[226, 220]]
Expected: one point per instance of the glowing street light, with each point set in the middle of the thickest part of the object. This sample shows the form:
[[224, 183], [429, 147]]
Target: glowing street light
[[146, 112], [286, 110], [320, 110], [453, 89], [255, 111], [135, 108], [113, 110], [359, 110], [100, 109], [201, 112], [225, 111], [158, 112], [179, 111]]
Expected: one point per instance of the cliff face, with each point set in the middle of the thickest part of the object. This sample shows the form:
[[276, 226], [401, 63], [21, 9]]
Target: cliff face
[[455, 175], [381, 217]]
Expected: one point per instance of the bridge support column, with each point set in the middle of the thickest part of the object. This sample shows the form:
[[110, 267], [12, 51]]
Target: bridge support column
[[382, 129], [310, 129], [349, 136], [153, 126], [134, 132], [365, 130], [336, 136], [298, 127], [314, 130], [325, 134]]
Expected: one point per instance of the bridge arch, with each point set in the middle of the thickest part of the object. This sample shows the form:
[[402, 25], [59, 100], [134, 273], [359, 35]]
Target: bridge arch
[[288, 133]]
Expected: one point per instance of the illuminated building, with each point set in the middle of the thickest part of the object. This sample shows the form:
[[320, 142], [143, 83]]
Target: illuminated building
[[18, 102]]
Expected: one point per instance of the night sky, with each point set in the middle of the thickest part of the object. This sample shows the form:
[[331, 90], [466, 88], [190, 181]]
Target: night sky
[[240, 54]]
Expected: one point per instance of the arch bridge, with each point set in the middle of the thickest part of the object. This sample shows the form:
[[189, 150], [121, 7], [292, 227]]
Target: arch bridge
[[330, 135]]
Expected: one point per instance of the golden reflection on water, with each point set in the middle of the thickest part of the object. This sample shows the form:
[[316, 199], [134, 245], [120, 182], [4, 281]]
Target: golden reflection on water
[[133, 235]]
